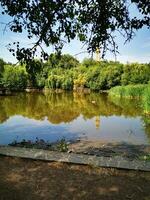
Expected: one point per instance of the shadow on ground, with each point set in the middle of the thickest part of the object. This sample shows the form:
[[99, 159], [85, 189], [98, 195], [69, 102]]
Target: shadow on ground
[[24, 179]]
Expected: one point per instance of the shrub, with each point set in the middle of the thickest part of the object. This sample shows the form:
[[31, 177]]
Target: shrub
[[40, 81], [135, 73], [59, 79], [14, 78]]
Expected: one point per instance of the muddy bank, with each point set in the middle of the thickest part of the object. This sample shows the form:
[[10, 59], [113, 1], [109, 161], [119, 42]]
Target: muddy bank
[[95, 148], [98, 148]]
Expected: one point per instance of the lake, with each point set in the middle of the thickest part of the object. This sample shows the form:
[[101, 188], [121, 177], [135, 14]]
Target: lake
[[53, 116]]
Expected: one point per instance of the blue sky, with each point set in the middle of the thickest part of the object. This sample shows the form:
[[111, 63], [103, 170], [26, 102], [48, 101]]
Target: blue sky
[[138, 50]]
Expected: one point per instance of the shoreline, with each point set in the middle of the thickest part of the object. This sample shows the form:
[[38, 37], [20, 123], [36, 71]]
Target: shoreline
[[116, 161]]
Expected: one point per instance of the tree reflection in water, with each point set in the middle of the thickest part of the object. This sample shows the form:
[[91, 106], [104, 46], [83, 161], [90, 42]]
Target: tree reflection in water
[[67, 106]]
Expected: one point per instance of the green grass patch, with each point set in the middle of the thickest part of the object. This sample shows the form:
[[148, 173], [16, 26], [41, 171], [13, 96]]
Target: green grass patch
[[146, 100], [129, 91], [134, 91]]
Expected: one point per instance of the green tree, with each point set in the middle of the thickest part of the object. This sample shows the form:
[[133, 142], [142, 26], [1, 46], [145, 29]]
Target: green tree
[[64, 61], [67, 62], [88, 62], [14, 78], [2, 63], [135, 73], [33, 68]]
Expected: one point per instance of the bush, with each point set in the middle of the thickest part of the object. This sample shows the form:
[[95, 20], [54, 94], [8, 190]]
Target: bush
[[14, 78], [40, 81], [93, 78], [67, 83], [60, 82], [104, 76], [135, 73]]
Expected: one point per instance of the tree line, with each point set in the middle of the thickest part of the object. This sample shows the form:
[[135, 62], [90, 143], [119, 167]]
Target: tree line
[[65, 72]]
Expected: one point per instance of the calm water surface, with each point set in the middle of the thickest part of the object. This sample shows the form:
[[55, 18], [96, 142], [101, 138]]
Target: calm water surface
[[52, 116]]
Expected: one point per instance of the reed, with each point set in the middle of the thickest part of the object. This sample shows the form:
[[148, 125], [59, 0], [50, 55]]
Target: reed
[[129, 91], [146, 100], [134, 91]]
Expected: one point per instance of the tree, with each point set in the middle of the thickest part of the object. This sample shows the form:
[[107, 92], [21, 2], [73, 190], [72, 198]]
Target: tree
[[94, 22], [2, 63], [64, 61], [87, 62], [33, 68], [14, 78], [67, 62], [135, 73]]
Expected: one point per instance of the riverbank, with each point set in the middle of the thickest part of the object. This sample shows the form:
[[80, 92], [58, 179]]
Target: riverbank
[[37, 180], [92, 147], [115, 161]]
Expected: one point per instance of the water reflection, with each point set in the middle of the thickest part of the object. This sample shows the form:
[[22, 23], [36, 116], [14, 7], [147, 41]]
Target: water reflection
[[72, 115]]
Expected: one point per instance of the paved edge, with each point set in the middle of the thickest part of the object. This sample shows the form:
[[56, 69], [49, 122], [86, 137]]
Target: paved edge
[[38, 154]]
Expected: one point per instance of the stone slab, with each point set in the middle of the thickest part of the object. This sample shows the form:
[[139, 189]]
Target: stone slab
[[38, 154]]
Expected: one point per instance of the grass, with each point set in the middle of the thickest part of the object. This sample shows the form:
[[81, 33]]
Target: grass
[[129, 91], [134, 91], [146, 100]]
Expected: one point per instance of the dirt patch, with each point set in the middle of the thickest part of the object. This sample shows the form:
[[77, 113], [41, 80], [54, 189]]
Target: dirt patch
[[27, 179]]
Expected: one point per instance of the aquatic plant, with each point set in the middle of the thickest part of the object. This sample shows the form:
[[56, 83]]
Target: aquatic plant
[[130, 91], [60, 145], [146, 100], [145, 157], [134, 91]]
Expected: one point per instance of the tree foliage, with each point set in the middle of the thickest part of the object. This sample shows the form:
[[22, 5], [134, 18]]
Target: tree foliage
[[2, 63], [68, 73], [65, 61], [14, 78], [135, 73], [93, 22]]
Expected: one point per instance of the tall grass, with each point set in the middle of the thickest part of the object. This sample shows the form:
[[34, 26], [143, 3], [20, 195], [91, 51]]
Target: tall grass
[[134, 91], [129, 91], [146, 100]]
